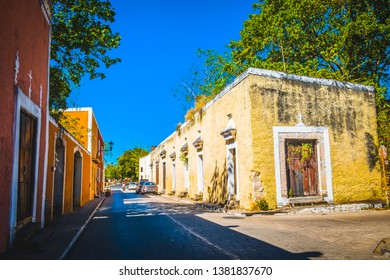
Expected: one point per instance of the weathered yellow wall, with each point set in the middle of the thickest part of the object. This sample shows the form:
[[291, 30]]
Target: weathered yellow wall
[[350, 116], [211, 122], [257, 104]]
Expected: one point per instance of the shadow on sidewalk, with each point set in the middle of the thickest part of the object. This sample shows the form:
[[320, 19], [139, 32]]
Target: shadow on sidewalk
[[54, 240]]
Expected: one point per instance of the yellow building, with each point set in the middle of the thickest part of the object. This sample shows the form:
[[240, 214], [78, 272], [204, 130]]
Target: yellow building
[[92, 140], [277, 138], [75, 162]]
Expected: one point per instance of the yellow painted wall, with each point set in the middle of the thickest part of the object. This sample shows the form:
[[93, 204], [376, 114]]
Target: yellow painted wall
[[257, 103], [91, 139], [211, 123], [350, 117], [71, 146], [78, 125]]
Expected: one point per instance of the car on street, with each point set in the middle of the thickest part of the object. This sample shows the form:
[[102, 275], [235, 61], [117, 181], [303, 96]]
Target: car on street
[[140, 185], [149, 187], [132, 186]]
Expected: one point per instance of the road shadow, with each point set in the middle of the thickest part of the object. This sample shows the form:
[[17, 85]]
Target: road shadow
[[166, 231]]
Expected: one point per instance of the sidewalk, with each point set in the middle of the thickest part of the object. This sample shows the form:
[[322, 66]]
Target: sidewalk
[[323, 208], [55, 240]]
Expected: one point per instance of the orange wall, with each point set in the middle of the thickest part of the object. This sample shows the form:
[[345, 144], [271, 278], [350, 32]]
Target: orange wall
[[71, 146], [96, 146]]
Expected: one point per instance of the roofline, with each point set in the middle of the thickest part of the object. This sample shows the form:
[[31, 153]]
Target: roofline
[[306, 79], [91, 116], [276, 75], [56, 124]]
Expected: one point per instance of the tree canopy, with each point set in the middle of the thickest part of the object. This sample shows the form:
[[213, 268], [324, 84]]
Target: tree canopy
[[81, 40], [112, 172], [127, 165], [346, 40]]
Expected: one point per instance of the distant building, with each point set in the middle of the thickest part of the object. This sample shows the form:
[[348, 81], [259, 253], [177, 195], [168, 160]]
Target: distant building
[[25, 28], [275, 137], [145, 168]]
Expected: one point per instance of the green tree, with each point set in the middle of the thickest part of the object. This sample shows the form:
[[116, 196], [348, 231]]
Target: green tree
[[129, 163], [205, 79], [346, 40], [81, 40], [112, 172]]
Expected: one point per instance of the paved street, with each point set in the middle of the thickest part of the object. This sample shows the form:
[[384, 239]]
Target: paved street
[[132, 226]]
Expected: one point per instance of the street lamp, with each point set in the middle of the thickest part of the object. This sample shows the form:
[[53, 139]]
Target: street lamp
[[98, 154], [110, 144]]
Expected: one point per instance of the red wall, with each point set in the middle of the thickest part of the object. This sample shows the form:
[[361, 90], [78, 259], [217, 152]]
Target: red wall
[[23, 30]]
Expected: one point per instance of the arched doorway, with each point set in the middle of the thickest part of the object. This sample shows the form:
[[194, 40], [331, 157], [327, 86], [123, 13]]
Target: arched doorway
[[77, 179], [59, 179]]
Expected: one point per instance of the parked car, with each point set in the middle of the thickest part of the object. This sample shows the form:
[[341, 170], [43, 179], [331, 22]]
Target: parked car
[[140, 185], [132, 186], [149, 187]]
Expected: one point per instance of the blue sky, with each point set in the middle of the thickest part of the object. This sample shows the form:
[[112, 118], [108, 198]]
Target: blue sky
[[134, 105]]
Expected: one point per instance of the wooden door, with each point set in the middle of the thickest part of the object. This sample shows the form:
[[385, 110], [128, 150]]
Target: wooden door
[[58, 196], [164, 175], [27, 156], [77, 175], [157, 174], [302, 169]]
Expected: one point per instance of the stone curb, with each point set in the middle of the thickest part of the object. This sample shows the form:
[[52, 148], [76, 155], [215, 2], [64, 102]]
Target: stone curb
[[307, 210], [80, 231]]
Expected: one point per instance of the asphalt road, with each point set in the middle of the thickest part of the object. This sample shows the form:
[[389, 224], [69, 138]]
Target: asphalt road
[[130, 226]]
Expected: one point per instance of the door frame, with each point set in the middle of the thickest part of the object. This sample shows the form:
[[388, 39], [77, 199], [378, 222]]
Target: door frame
[[232, 177], [59, 139], [319, 134], [23, 102], [312, 186], [77, 179]]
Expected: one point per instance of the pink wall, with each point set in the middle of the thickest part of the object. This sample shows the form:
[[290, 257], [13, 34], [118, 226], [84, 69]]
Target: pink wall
[[24, 30]]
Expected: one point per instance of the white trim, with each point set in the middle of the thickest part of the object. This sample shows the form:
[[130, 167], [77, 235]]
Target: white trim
[[228, 148], [90, 131], [46, 11], [200, 163], [186, 177], [23, 102], [295, 131], [328, 166], [47, 132], [90, 115], [174, 176]]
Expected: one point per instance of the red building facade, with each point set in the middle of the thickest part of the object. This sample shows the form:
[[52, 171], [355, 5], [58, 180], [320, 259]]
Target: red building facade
[[24, 90]]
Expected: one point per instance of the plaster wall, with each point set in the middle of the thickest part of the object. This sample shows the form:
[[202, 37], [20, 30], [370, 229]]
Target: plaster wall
[[24, 60], [347, 111], [259, 101]]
